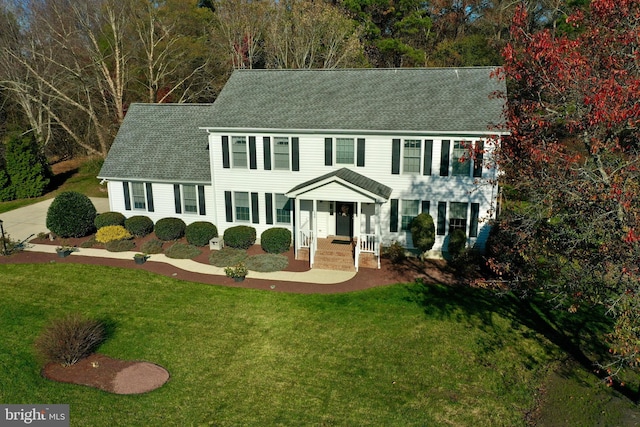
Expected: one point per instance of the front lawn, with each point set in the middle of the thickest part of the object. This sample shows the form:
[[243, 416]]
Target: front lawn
[[400, 355]]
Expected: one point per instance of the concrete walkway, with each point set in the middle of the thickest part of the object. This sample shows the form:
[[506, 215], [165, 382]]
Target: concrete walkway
[[25, 223]]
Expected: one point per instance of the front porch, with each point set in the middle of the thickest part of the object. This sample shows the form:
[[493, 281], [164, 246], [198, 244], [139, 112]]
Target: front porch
[[339, 253]]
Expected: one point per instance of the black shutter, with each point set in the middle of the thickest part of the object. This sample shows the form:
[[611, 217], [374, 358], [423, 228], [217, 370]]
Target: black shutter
[[477, 163], [426, 205], [268, 205], [395, 157], [176, 198], [226, 163], [393, 225], [444, 158], [202, 205], [295, 154], [475, 213], [328, 151], [149, 197], [442, 218], [266, 146], [127, 196], [228, 206], [255, 217], [253, 161], [360, 157], [428, 157]]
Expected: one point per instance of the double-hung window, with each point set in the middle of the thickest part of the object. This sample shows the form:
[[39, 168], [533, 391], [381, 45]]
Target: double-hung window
[[345, 151], [190, 198], [409, 211], [457, 216], [138, 195], [281, 153], [461, 163], [411, 159], [242, 206], [239, 151], [283, 209]]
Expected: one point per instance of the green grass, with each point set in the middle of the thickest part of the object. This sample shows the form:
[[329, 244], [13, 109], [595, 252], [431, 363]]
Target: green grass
[[400, 355]]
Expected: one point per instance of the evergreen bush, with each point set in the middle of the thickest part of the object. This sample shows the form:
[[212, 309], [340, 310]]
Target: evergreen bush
[[457, 243], [169, 229], [27, 169], [423, 232], [109, 218], [111, 233], [139, 225], [275, 240], [240, 237], [199, 233], [71, 214]]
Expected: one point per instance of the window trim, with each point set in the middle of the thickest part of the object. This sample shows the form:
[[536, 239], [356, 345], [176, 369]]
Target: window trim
[[286, 208], [417, 158], [282, 155], [407, 217], [462, 226], [133, 196], [234, 159], [353, 151], [460, 146], [236, 206]]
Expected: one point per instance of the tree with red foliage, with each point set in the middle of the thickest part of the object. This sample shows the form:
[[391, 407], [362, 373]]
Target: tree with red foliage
[[572, 166]]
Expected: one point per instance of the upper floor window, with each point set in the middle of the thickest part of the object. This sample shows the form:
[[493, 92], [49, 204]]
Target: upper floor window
[[281, 153], [345, 151], [411, 157], [239, 151], [460, 159]]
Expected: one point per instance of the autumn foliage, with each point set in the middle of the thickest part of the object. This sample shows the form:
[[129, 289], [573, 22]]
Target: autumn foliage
[[571, 164]]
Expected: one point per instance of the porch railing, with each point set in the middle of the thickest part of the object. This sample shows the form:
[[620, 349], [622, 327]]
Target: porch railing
[[307, 241], [367, 243]]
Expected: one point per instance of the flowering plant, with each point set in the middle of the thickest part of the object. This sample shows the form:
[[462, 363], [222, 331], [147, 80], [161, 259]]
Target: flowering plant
[[238, 270]]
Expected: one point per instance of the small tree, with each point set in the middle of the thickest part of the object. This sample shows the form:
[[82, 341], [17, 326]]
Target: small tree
[[423, 232], [71, 214], [26, 167]]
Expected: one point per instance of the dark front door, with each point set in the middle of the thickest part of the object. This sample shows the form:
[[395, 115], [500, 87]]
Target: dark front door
[[344, 219]]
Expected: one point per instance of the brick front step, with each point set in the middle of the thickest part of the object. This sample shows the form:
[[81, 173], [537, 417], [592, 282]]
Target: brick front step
[[333, 260]]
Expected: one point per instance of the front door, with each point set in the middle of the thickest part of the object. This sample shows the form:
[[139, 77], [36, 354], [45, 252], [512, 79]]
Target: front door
[[344, 219]]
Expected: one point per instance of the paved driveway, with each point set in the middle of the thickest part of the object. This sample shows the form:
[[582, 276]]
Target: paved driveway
[[24, 223]]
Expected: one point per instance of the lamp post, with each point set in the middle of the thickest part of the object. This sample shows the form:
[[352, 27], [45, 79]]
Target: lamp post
[[4, 242]]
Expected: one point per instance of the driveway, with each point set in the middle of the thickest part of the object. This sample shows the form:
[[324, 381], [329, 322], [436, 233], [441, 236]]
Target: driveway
[[25, 223]]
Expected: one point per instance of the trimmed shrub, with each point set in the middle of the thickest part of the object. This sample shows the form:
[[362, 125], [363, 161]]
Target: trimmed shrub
[[153, 246], [139, 225], [120, 245], [199, 233], [457, 243], [227, 256], [71, 214], [182, 251], [169, 229], [70, 339], [240, 237], [267, 262], [423, 232], [112, 233], [275, 240], [108, 218]]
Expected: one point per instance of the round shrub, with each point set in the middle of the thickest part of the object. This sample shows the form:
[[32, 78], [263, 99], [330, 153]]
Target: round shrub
[[112, 233], [275, 240], [169, 229], [152, 246], [71, 214], [139, 225], [199, 233], [108, 218], [457, 243], [119, 245], [240, 237]]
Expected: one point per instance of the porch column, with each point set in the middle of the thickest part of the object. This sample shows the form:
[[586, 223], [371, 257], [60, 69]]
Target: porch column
[[296, 226], [358, 221]]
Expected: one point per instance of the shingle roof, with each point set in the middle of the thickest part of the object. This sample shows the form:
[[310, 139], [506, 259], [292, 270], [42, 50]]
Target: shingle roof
[[352, 178], [412, 99], [161, 142]]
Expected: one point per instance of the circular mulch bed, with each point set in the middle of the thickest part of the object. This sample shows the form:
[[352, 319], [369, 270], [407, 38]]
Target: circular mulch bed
[[109, 374]]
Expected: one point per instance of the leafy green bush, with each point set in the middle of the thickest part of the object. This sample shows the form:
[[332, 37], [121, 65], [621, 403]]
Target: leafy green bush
[[139, 225], [71, 214], [275, 240], [120, 245], [227, 256], [267, 262], [109, 218], [7, 191], [112, 233], [153, 246], [182, 251], [169, 229], [70, 339], [199, 233], [28, 171], [457, 243], [240, 237], [423, 232]]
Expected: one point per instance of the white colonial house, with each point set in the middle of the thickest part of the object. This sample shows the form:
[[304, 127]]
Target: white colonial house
[[350, 153]]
